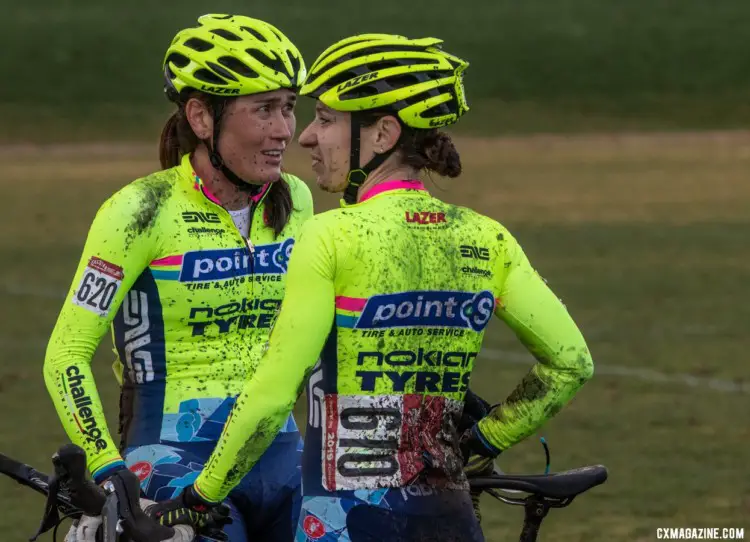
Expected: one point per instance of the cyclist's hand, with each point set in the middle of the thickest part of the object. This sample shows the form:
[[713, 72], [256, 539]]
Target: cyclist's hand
[[189, 508], [473, 442], [478, 466], [85, 529]]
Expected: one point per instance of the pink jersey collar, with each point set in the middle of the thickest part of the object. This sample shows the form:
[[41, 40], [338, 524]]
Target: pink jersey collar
[[389, 186], [199, 185]]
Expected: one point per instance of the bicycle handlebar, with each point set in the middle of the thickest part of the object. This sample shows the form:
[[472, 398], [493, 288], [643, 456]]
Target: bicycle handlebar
[[70, 469]]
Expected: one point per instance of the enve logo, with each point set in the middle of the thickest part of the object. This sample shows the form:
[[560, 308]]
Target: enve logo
[[467, 310], [197, 216], [477, 253]]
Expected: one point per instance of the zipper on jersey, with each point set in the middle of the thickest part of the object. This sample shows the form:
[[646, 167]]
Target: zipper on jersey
[[247, 241], [250, 245]]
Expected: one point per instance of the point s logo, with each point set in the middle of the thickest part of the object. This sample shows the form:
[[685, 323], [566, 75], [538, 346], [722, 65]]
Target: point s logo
[[222, 264], [467, 310], [80, 403]]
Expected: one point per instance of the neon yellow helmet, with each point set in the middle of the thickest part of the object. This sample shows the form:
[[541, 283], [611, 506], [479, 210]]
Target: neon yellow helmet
[[231, 55], [413, 78]]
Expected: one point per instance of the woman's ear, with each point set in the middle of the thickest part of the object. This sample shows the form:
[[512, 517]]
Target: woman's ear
[[387, 133], [200, 118]]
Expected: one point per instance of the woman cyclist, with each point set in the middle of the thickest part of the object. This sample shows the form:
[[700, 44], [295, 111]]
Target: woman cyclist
[[390, 295], [188, 267]]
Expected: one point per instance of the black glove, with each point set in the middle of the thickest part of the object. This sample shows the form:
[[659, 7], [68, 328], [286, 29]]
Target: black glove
[[473, 442], [475, 408], [479, 460], [189, 508]]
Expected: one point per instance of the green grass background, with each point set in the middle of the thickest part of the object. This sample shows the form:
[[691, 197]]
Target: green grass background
[[645, 240], [85, 69], [644, 237]]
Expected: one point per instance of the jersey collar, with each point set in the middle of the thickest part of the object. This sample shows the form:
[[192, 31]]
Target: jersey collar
[[389, 186], [200, 186]]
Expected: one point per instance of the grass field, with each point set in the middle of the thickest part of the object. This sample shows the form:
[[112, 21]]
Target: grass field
[[645, 238], [77, 69]]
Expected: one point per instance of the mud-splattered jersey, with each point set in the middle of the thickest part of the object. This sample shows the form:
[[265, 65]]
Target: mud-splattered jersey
[[190, 302], [391, 298]]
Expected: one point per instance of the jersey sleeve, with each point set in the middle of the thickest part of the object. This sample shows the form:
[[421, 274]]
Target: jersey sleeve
[[303, 199], [118, 248], [542, 324], [295, 343]]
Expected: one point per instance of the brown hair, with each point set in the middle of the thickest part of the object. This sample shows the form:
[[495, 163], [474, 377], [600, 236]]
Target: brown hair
[[178, 139], [431, 149]]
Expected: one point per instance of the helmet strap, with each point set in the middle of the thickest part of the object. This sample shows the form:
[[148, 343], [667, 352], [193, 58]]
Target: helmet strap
[[218, 106], [358, 174]]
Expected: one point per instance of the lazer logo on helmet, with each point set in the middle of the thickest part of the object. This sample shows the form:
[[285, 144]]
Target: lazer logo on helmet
[[357, 81], [220, 90], [221, 264], [468, 310]]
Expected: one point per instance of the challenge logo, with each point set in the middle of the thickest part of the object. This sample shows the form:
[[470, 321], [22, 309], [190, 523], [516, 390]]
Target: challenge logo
[[466, 310], [229, 263], [81, 407]]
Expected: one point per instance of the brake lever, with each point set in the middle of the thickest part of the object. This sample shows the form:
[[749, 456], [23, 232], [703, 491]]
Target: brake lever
[[111, 514]]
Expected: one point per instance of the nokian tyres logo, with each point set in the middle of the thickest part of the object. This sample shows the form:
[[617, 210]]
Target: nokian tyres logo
[[467, 310], [221, 264]]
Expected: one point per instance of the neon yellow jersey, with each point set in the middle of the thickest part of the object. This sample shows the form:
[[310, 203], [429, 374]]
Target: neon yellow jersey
[[190, 301], [391, 298]]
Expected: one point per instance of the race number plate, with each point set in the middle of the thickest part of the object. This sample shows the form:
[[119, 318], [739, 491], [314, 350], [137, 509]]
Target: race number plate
[[98, 286]]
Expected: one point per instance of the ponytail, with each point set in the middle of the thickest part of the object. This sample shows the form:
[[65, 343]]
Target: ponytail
[[435, 149], [420, 149], [177, 137], [279, 206], [169, 145]]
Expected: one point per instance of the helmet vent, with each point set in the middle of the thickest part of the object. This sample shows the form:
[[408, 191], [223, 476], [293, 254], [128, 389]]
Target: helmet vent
[[255, 33], [403, 81], [360, 92], [296, 62], [197, 44], [237, 66], [221, 70], [271, 62], [178, 60], [208, 76], [226, 34]]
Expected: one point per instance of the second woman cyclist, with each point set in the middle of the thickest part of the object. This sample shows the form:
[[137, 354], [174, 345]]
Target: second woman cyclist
[[188, 265], [392, 293]]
